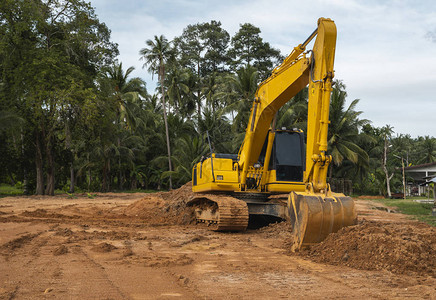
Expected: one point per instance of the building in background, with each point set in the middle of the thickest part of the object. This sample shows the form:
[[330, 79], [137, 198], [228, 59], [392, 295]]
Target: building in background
[[423, 175]]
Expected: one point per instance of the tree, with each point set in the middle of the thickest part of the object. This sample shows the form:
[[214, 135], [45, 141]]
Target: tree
[[344, 130], [427, 147], [386, 134], [242, 89], [202, 49], [50, 54], [179, 90], [210, 90], [125, 93], [10, 149], [155, 56], [249, 49], [215, 40], [294, 113], [189, 150], [217, 126]]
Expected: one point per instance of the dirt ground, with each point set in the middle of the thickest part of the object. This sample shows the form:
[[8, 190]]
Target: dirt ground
[[144, 246]]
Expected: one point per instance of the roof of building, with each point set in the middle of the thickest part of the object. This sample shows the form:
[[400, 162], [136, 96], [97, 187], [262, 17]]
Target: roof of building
[[420, 166]]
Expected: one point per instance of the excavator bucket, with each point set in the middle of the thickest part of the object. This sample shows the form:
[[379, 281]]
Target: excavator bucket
[[314, 216]]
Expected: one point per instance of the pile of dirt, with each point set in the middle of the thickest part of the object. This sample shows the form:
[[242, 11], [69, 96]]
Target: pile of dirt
[[146, 207], [165, 208], [19, 242], [280, 233], [400, 248], [103, 247], [175, 207], [277, 229]]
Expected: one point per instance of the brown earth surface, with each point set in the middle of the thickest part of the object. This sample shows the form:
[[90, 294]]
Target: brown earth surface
[[146, 246]]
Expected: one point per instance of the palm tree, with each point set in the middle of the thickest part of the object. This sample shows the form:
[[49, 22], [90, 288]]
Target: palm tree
[[386, 134], [243, 88], [155, 56], [125, 94], [344, 130], [428, 150], [190, 148], [294, 113], [217, 126], [179, 92], [209, 90]]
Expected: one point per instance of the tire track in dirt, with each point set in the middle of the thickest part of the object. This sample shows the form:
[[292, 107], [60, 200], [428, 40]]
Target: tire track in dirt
[[102, 277]]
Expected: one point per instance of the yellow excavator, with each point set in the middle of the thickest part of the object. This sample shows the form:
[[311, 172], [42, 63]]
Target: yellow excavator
[[228, 188]]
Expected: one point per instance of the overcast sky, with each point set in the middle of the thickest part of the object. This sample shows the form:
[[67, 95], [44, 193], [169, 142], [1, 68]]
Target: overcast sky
[[386, 50]]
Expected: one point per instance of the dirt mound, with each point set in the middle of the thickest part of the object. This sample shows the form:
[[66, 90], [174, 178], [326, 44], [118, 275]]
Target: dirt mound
[[168, 208], [19, 242], [276, 229], [399, 248], [180, 194], [104, 247], [175, 206], [280, 233], [149, 205]]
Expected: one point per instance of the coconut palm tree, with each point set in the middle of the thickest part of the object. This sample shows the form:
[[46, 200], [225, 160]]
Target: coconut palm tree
[[124, 92], [155, 56], [428, 150], [217, 126], [344, 130], [189, 150], [179, 91], [386, 134], [243, 88], [210, 89], [294, 113]]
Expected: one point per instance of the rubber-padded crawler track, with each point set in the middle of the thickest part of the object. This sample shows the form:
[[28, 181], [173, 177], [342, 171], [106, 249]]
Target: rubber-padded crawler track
[[230, 214]]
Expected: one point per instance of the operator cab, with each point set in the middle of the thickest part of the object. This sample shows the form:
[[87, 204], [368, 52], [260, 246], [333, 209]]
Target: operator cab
[[287, 156]]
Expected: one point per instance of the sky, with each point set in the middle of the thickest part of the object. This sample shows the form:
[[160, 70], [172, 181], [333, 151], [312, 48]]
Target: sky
[[385, 50]]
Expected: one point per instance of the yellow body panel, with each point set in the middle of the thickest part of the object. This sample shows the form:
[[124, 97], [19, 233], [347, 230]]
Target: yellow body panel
[[223, 177]]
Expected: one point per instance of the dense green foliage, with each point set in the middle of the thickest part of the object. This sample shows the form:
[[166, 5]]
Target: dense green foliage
[[72, 117]]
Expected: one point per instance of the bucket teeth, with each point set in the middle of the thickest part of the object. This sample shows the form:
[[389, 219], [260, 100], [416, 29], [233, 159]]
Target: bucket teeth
[[314, 216]]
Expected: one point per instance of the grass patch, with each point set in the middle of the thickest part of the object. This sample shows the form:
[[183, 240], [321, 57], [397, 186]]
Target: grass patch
[[419, 211], [9, 190]]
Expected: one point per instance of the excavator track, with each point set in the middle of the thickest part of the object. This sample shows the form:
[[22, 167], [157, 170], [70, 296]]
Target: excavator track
[[220, 212]]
